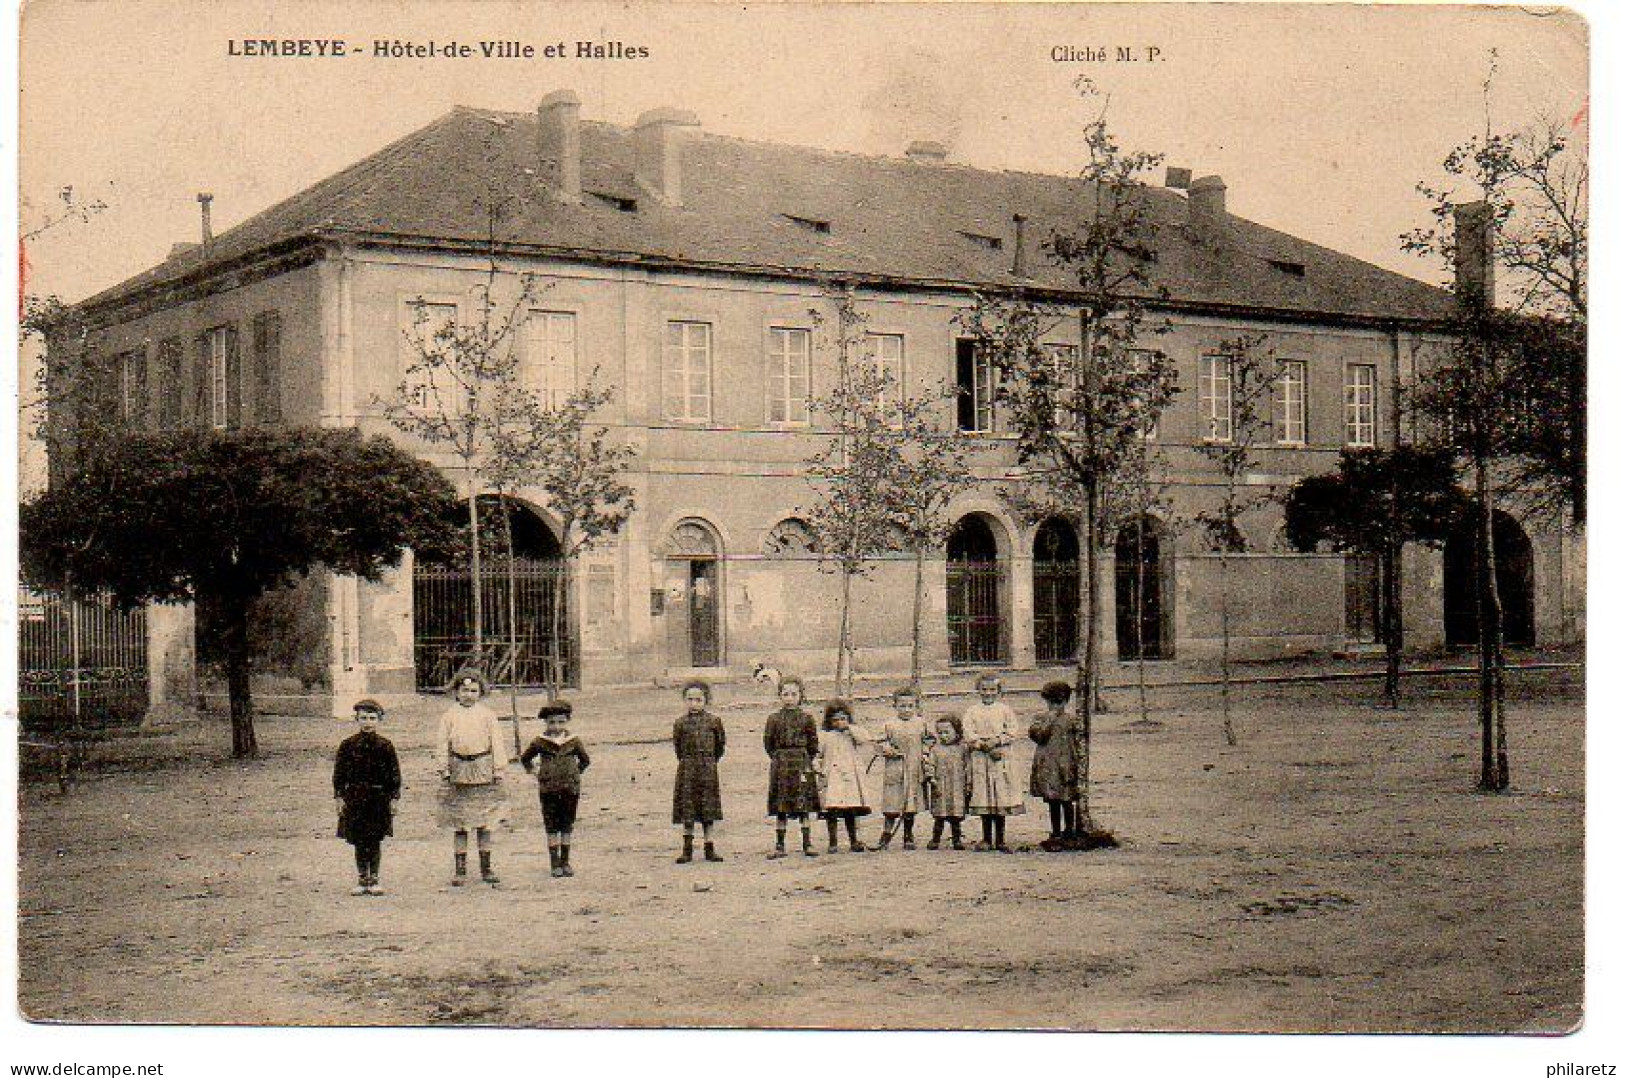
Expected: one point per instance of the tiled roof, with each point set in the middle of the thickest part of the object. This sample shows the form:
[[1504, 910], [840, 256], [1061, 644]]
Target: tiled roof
[[889, 219]]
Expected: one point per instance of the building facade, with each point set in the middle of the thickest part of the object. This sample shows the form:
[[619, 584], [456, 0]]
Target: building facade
[[693, 273]]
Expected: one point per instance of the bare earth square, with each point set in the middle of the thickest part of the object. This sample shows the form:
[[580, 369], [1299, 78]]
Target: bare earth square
[[1333, 872]]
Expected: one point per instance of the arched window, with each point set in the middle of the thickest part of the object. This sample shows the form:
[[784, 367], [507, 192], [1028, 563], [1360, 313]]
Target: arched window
[[791, 537]]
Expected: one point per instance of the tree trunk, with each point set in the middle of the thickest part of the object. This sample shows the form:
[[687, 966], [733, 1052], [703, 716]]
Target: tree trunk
[[557, 627], [1139, 610], [513, 628], [1493, 770], [1088, 656], [1393, 619], [843, 666], [474, 573], [233, 610], [1224, 644], [919, 617]]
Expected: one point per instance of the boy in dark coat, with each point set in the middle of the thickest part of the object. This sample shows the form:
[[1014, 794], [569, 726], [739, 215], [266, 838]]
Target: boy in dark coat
[[559, 759], [366, 786]]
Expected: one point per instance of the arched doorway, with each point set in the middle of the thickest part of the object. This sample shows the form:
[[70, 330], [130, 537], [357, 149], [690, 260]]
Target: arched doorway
[[1143, 599], [1056, 584], [524, 605], [1514, 583], [694, 572], [976, 632]]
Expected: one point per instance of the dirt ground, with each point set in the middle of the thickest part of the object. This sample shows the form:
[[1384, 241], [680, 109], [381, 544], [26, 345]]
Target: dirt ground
[[1334, 871]]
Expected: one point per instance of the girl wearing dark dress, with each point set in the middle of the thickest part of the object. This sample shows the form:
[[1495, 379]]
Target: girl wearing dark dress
[[1055, 767], [559, 759], [791, 740], [366, 786], [699, 741]]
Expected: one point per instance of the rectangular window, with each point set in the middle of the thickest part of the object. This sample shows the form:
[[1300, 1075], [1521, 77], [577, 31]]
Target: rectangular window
[[886, 353], [686, 375], [1360, 405], [222, 387], [1292, 376], [789, 374], [132, 386], [1063, 360], [550, 355], [268, 368], [171, 360], [1142, 360], [427, 358], [977, 383], [1214, 398]]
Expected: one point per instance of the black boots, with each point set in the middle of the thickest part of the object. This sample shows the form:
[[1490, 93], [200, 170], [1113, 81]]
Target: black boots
[[556, 861], [688, 850], [806, 842], [778, 845], [711, 853], [564, 861]]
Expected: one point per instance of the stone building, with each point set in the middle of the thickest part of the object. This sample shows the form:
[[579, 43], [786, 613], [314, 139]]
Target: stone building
[[685, 268]]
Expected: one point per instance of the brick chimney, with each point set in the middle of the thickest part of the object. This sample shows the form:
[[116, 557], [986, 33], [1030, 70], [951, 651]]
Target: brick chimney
[[1205, 204], [657, 140], [558, 144], [926, 153], [1475, 255], [204, 199], [1018, 266]]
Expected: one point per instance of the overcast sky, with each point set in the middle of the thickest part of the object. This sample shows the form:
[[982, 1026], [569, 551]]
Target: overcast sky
[[1320, 120]]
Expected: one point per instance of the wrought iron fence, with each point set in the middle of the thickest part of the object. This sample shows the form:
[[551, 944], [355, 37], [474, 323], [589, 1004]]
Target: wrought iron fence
[[443, 623], [81, 664], [1055, 611], [975, 626]]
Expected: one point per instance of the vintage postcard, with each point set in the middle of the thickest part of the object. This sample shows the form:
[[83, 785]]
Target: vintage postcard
[[860, 516]]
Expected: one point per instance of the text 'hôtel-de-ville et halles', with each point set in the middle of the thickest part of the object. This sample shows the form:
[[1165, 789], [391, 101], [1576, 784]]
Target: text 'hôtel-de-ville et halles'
[[406, 49]]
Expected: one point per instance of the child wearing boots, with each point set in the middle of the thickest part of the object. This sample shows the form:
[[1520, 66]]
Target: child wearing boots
[[1055, 767], [791, 740], [366, 787], [559, 759], [902, 745], [841, 774], [473, 756], [990, 730], [947, 777], [699, 741]]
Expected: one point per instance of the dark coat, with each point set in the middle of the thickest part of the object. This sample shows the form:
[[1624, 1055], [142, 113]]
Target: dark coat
[[559, 764], [791, 740], [1055, 764], [699, 741], [367, 776]]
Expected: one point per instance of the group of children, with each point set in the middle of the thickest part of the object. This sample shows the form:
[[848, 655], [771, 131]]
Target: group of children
[[951, 767]]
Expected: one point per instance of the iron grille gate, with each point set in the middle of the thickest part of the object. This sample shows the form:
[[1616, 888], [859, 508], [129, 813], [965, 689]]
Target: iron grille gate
[[443, 624], [1056, 589], [975, 627], [82, 664]]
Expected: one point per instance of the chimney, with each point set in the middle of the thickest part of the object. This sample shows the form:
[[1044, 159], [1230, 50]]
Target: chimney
[[558, 144], [1018, 267], [926, 153], [203, 200], [657, 140], [1205, 204], [1178, 179], [1475, 255]]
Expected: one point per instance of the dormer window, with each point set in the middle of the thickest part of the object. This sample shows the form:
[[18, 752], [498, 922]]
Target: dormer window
[[1291, 269], [992, 243], [811, 224]]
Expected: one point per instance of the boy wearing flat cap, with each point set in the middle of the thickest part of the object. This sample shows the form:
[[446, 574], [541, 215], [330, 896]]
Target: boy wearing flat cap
[[558, 759], [366, 786]]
